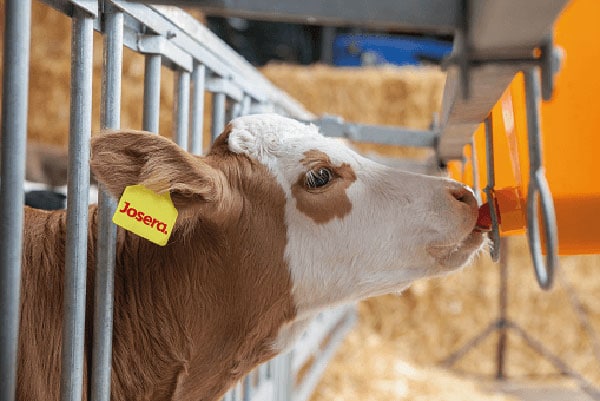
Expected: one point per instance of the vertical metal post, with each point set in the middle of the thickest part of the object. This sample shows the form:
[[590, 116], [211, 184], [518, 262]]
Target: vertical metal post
[[73, 336], [236, 109], [182, 108], [107, 232], [246, 105], [151, 93], [198, 81], [218, 114], [282, 377], [248, 386], [14, 133], [502, 314], [263, 372]]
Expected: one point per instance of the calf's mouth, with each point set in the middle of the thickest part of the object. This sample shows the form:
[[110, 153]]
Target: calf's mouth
[[455, 254]]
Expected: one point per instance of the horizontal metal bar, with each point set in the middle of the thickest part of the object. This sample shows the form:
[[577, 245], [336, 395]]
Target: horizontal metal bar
[[236, 66], [429, 166], [202, 44], [385, 135], [511, 24], [211, 51], [194, 39], [155, 44], [436, 16], [220, 85], [67, 7]]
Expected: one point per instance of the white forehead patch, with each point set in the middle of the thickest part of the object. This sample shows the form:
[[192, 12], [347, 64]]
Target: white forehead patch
[[261, 136]]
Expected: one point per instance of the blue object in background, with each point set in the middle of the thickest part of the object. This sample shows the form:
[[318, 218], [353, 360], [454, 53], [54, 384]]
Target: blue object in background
[[359, 50]]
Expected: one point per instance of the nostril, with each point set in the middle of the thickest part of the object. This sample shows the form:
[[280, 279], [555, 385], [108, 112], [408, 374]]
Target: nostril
[[464, 195]]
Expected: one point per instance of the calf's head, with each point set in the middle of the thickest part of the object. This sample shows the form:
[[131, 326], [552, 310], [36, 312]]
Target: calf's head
[[353, 228]]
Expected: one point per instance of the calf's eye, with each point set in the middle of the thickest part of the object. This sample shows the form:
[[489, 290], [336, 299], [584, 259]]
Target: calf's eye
[[318, 178]]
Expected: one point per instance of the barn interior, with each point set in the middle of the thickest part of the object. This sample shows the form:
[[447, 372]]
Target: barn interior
[[400, 347]]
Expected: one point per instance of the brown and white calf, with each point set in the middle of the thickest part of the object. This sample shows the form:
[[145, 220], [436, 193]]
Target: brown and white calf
[[275, 224]]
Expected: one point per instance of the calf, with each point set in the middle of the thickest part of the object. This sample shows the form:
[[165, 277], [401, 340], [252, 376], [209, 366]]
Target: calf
[[275, 224]]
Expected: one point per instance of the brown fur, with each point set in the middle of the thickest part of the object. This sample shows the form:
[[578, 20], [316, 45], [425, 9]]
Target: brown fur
[[332, 200], [191, 317]]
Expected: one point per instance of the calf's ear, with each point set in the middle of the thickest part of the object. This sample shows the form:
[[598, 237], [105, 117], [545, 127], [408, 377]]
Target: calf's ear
[[123, 158]]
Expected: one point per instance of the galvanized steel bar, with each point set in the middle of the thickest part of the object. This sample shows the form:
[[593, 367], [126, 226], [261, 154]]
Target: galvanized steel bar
[[246, 105], [431, 16], [103, 299], [182, 108], [73, 336], [236, 109], [218, 114], [197, 126], [282, 377], [152, 93], [248, 386], [107, 231], [14, 133], [157, 44], [205, 47], [263, 372], [399, 136], [226, 86]]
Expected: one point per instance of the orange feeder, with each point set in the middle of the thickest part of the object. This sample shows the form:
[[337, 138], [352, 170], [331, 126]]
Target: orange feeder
[[570, 140]]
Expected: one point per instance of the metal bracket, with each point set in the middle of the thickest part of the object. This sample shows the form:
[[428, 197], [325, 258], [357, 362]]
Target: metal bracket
[[157, 44], [224, 85], [548, 58]]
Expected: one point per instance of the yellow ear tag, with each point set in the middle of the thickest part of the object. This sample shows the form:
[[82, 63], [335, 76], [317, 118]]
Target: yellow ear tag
[[146, 213]]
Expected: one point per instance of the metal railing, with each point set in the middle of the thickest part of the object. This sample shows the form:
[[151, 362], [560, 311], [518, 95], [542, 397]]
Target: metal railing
[[202, 62]]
